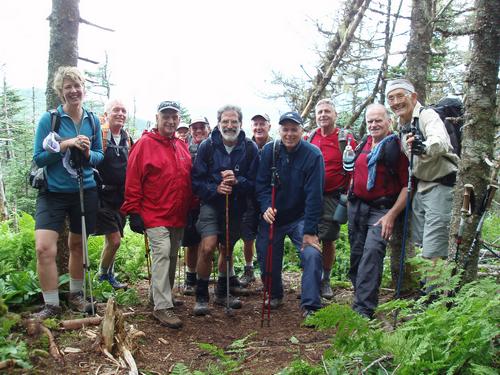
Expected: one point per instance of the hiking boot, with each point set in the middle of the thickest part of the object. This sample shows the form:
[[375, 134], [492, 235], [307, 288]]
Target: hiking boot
[[236, 288], [326, 290], [248, 276], [48, 311], [275, 303], [110, 278], [201, 306], [168, 318], [221, 293], [306, 314], [190, 284], [234, 302], [76, 302]]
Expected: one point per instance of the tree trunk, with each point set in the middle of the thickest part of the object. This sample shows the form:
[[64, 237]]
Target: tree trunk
[[479, 129], [64, 23], [337, 47], [419, 46]]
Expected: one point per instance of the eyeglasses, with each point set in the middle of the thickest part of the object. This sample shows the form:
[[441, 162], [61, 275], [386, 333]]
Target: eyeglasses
[[397, 98]]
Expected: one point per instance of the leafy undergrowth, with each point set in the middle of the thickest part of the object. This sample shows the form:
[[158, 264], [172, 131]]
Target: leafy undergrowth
[[462, 339]]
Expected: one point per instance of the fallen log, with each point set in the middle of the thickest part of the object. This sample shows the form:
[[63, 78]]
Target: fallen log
[[91, 321], [53, 349], [8, 363]]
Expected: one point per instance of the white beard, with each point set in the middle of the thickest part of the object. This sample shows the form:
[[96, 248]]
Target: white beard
[[229, 137]]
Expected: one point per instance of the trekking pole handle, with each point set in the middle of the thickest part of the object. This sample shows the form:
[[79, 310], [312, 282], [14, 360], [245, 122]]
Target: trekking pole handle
[[466, 207]]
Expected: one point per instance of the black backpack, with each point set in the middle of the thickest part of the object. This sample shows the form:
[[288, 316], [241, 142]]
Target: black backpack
[[451, 112]]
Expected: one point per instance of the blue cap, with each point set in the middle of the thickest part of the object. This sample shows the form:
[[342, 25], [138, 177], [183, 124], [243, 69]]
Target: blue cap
[[291, 116]]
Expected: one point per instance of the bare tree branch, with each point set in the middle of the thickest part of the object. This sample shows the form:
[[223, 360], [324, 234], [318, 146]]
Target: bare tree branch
[[93, 24], [88, 60], [460, 32]]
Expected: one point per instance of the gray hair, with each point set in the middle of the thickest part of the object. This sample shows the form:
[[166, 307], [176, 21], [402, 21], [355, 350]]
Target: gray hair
[[227, 108], [111, 103], [378, 105], [325, 101]]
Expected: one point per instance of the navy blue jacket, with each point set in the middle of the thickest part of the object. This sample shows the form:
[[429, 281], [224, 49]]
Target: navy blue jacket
[[299, 192], [212, 158]]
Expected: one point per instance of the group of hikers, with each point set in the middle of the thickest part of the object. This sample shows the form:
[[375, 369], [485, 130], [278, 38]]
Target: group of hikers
[[205, 189]]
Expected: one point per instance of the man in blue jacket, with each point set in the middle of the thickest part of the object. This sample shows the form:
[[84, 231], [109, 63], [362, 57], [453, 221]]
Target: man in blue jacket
[[223, 172], [297, 211]]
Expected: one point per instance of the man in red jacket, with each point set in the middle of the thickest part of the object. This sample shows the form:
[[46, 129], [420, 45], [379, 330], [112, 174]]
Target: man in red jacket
[[157, 198]]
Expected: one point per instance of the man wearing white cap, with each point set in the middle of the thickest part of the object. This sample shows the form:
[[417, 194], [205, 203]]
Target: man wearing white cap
[[427, 145], [157, 198], [261, 124], [182, 132], [198, 132]]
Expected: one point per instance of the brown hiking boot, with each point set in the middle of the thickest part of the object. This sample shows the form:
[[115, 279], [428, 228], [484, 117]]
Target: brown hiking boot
[[76, 302], [48, 311], [168, 318], [236, 288]]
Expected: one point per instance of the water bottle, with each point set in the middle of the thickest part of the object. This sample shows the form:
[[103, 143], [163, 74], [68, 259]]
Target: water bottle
[[340, 214], [348, 158]]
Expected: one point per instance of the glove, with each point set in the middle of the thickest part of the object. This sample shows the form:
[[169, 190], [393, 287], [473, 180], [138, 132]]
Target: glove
[[136, 223], [418, 147]]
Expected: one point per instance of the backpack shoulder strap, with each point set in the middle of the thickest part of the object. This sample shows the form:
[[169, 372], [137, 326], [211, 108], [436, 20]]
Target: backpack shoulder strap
[[311, 135], [342, 138], [55, 120], [249, 150], [209, 155], [359, 147]]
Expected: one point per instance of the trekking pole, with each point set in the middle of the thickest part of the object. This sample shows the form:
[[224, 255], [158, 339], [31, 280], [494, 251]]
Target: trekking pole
[[87, 279], [465, 211], [485, 206], [269, 258], [405, 229], [148, 256], [229, 311], [179, 257]]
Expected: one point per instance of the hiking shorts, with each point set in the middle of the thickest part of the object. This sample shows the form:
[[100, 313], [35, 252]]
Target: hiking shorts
[[191, 235], [109, 221], [250, 221], [328, 230], [211, 222], [430, 220], [52, 208]]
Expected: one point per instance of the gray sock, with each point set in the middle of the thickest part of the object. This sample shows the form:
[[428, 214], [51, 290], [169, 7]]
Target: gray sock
[[75, 285], [51, 297]]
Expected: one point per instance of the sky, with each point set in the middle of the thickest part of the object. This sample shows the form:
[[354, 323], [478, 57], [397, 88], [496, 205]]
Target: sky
[[203, 54]]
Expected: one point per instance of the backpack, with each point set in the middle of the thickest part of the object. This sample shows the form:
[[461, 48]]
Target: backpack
[[106, 138], [343, 136], [451, 112], [389, 156], [37, 176]]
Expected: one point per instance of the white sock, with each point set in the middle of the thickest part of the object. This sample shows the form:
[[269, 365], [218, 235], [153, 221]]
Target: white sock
[[51, 297], [249, 264], [192, 270], [75, 285]]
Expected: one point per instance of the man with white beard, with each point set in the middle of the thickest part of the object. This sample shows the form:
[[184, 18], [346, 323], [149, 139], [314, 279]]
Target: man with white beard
[[223, 175]]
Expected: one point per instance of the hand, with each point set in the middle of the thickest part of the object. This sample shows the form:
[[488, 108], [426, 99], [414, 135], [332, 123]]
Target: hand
[[82, 143], [415, 144], [136, 223], [270, 215], [223, 188], [228, 177], [387, 222], [311, 240]]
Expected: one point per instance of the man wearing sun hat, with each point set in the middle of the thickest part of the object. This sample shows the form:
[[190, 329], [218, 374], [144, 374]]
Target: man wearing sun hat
[[434, 165], [157, 198], [298, 206]]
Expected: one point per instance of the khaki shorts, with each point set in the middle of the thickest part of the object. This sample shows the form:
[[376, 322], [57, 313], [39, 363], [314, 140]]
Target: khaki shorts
[[328, 230], [430, 220]]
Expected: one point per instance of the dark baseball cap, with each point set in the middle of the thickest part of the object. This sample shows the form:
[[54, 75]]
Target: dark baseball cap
[[291, 116], [169, 104]]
